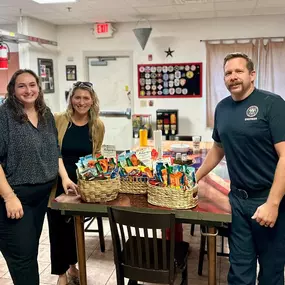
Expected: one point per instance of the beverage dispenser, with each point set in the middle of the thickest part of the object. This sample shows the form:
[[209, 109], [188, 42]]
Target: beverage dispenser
[[167, 122]]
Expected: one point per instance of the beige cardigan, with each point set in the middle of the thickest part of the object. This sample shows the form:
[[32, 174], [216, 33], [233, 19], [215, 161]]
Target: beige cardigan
[[61, 122]]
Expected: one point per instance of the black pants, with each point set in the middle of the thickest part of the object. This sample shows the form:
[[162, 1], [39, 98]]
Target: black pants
[[249, 242], [62, 242], [19, 239]]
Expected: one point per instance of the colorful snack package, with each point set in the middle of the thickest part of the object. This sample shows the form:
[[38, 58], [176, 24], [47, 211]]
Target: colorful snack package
[[164, 176], [91, 163], [134, 160], [190, 177], [104, 164], [98, 167], [87, 175]]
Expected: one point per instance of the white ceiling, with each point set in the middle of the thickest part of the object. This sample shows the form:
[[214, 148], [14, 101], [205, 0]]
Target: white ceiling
[[91, 11]]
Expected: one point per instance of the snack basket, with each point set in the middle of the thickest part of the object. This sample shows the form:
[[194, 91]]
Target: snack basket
[[172, 197], [134, 185], [99, 190]]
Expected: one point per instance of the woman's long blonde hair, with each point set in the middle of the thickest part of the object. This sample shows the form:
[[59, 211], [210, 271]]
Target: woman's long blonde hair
[[93, 111]]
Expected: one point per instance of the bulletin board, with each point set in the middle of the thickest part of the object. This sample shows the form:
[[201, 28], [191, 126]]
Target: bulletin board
[[171, 80]]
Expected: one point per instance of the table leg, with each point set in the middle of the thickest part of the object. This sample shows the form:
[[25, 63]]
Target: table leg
[[212, 256], [80, 245]]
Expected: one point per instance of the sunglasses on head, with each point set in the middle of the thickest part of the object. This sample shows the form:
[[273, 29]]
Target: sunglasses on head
[[83, 84]]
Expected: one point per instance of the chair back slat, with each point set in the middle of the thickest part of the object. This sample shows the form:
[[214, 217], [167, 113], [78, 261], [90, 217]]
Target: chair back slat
[[139, 247], [155, 250], [123, 241], [147, 251], [164, 250], [132, 248]]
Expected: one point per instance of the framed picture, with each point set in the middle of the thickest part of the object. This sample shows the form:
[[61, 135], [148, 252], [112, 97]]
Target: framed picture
[[70, 72], [46, 74], [172, 80]]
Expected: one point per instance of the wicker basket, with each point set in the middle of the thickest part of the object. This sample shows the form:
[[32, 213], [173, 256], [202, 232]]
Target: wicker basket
[[172, 198], [99, 190], [134, 185]]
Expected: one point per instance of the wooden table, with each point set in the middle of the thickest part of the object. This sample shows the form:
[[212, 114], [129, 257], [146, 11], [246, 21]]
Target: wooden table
[[213, 210]]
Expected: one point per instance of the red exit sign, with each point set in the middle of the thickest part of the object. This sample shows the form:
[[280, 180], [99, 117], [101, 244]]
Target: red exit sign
[[103, 30]]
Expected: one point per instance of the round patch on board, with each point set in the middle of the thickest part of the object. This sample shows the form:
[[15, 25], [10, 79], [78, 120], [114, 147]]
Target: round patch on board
[[171, 91], [189, 74], [142, 81], [153, 75], [164, 69], [148, 81], [165, 76], [170, 68], [184, 91], [178, 91], [158, 68], [147, 69], [165, 91], [141, 69]]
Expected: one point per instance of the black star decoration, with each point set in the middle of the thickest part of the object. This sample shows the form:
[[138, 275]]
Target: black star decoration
[[169, 52]]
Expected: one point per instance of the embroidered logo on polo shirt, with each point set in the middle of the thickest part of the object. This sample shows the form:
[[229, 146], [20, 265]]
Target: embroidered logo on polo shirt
[[251, 113]]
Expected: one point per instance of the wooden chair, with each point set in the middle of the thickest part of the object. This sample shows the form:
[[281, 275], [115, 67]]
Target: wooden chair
[[100, 230], [142, 256], [223, 232]]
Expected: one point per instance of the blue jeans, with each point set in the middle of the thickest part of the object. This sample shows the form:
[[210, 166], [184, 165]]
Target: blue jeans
[[249, 242]]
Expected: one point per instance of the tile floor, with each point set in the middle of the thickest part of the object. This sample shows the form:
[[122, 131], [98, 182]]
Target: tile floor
[[100, 266]]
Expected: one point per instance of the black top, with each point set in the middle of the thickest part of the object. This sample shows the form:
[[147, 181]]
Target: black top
[[28, 155], [76, 143], [248, 130]]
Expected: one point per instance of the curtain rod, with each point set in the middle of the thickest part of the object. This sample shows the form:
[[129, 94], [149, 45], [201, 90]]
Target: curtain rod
[[239, 39]]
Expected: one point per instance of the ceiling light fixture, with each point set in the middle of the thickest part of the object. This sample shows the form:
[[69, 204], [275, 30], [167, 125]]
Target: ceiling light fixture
[[54, 1]]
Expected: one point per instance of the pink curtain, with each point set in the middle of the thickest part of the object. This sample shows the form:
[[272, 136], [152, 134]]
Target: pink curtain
[[271, 72]]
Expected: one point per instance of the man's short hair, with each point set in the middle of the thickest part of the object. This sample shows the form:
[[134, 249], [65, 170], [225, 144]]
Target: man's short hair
[[249, 63]]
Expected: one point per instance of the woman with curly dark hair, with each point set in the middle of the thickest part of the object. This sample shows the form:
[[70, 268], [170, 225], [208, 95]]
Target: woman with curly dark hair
[[29, 163]]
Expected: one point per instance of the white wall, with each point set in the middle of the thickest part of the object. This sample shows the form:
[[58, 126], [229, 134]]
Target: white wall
[[30, 52], [182, 36]]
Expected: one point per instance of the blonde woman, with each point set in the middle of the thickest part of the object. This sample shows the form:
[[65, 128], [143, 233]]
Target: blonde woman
[[80, 132]]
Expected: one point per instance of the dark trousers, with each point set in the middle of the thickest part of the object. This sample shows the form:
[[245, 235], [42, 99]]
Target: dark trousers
[[19, 239], [249, 242], [62, 242]]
